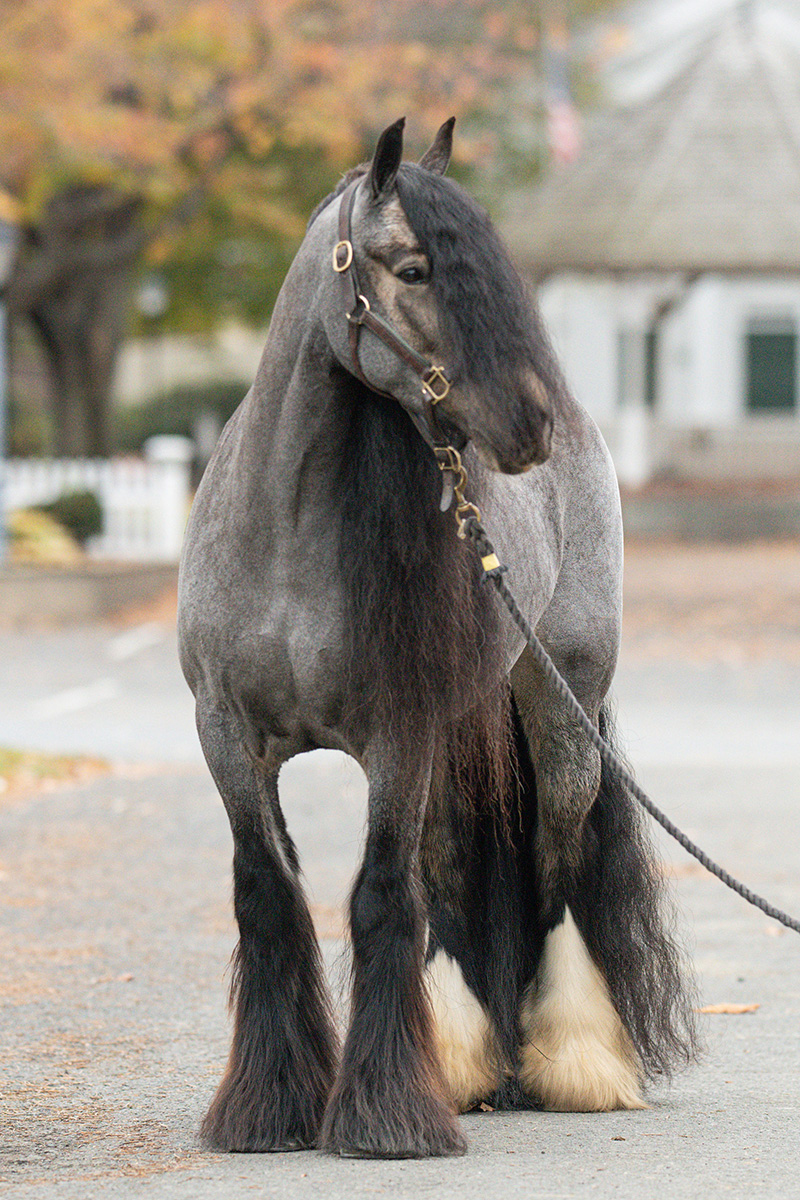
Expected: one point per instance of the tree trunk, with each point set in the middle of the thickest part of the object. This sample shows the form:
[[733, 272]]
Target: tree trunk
[[73, 280]]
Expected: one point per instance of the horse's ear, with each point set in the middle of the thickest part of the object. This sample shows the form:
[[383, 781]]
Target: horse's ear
[[437, 159], [386, 160]]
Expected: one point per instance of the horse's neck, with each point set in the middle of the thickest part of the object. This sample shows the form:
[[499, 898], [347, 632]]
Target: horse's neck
[[294, 427]]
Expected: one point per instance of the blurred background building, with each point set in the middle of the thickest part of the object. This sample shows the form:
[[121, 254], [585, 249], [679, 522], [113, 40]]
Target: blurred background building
[[668, 253], [642, 159]]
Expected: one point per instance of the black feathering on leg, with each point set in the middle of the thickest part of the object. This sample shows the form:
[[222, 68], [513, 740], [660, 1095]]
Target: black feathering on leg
[[624, 913], [284, 1052], [389, 1100]]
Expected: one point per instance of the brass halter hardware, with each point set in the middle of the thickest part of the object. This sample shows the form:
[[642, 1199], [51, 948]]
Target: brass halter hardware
[[435, 376], [341, 267], [449, 459]]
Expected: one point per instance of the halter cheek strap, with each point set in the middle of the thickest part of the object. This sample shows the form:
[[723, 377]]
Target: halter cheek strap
[[435, 384]]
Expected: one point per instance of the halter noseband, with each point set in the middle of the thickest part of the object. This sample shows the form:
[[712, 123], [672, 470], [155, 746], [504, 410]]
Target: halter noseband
[[435, 384]]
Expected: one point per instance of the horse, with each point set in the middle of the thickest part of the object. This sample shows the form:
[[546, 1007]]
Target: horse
[[512, 943]]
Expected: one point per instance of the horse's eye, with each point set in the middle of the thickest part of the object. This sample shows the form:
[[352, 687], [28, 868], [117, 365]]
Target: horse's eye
[[412, 275]]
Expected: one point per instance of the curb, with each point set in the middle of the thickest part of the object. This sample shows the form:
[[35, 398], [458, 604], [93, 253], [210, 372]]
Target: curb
[[712, 518], [31, 594]]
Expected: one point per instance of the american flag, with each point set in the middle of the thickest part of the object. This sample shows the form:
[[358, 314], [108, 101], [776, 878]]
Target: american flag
[[564, 135]]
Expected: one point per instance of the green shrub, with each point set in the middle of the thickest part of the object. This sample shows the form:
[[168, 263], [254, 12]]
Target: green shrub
[[79, 512]]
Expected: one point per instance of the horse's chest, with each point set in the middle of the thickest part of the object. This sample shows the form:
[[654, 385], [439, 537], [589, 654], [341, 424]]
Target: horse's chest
[[283, 672]]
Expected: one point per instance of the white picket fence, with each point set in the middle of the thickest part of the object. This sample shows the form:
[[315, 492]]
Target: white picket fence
[[145, 501]]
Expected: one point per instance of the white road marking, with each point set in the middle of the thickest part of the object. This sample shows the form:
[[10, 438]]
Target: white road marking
[[125, 645], [74, 699]]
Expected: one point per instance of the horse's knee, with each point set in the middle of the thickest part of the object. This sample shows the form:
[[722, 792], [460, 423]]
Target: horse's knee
[[567, 780], [384, 913]]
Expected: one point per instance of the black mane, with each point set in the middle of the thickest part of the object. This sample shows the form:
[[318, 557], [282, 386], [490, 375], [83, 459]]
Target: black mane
[[353, 173], [489, 320], [420, 625]]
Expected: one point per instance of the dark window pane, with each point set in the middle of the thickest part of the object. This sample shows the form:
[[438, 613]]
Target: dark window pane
[[771, 372]]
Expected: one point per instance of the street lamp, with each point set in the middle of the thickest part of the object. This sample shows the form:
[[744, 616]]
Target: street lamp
[[8, 245]]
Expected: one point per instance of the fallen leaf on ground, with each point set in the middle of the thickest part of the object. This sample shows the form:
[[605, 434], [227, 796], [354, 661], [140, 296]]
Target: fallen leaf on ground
[[733, 1009]]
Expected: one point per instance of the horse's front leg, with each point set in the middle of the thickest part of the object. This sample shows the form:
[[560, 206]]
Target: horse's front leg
[[577, 1054], [390, 1098], [284, 1052]]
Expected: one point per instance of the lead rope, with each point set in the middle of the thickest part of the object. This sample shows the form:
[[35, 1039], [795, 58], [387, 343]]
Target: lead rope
[[470, 527]]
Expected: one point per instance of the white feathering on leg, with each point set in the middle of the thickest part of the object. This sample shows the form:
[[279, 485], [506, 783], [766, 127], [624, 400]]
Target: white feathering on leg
[[463, 1034], [577, 1056]]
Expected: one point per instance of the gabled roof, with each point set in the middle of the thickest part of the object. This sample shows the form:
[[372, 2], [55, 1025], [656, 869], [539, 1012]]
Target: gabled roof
[[704, 176]]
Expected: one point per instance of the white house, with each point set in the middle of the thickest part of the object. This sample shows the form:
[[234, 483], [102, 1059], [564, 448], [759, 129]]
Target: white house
[[668, 255]]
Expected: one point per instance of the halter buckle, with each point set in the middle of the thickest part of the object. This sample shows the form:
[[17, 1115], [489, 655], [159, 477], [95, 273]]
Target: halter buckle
[[433, 377], [341, 267]]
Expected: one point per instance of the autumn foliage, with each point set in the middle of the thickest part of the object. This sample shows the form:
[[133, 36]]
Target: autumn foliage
[[122, 122]]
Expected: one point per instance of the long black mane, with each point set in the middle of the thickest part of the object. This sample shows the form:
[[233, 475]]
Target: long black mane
[[422, 631]]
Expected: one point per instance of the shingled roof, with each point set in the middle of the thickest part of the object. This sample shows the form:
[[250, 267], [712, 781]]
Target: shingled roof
[[704, 176]]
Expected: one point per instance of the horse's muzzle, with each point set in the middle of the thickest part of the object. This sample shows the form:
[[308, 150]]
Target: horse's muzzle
[[530, 442]]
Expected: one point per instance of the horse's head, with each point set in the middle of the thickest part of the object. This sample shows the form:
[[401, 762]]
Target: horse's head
[[427, 263]]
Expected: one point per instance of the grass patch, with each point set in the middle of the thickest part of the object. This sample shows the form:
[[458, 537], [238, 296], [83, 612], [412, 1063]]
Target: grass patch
[[30, 770]]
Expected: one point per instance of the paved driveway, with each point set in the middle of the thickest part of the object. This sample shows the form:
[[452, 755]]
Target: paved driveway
[[117, 928]]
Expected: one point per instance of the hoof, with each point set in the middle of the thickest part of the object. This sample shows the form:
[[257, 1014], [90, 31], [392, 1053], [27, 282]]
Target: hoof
[[290, 1147], [416, 1127], [237, 1140], [270, 1121]]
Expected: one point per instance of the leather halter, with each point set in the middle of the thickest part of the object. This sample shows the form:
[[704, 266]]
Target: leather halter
[[435, 384]]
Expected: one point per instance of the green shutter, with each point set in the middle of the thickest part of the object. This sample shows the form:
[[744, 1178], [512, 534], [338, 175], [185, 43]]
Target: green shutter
[[771, 371]]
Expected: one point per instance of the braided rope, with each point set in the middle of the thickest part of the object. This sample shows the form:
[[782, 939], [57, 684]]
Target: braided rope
[[472, 529]]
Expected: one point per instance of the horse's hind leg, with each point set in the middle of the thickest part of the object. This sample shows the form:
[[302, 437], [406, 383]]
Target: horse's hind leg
[[608, 1003], [577, 1054], [390, 1100], [283, 1056]]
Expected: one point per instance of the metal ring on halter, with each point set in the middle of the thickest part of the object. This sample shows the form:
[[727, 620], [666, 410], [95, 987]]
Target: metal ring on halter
[[464, 511], [355, 316]]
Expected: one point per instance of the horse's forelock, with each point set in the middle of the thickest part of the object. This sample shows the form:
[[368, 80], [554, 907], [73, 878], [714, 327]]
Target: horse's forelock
[[487, 317]]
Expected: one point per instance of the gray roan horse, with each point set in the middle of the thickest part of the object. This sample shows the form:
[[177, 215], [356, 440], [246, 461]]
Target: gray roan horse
[[508, 933]]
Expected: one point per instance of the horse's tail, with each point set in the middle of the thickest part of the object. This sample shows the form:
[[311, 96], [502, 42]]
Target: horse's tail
[[623, 910]]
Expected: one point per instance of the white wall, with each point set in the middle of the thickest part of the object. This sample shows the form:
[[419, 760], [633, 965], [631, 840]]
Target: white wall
[[701, 426], [581, 316], [701, 353], [702, 368]]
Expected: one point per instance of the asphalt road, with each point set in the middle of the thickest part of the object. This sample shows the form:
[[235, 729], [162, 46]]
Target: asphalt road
[[117, 930]]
